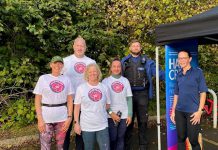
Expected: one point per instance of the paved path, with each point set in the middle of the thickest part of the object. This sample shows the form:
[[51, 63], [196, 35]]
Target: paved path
[[210, 139]]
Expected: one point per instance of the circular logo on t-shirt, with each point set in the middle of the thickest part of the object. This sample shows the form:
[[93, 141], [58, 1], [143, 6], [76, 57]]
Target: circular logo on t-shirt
[[80, 67], [95, 94], [117, 86], [56, 86]]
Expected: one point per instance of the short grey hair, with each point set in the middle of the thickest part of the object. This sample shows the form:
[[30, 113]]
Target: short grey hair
[[79, 38]]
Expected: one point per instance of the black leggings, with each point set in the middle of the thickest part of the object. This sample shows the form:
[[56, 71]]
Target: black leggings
[[186, 129]]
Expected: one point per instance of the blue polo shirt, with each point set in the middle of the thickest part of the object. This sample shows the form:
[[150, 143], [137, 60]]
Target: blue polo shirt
[[188, 88]]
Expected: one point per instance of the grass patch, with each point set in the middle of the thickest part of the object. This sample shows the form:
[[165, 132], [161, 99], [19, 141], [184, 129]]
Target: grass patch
[[152, 107], [18, 132]]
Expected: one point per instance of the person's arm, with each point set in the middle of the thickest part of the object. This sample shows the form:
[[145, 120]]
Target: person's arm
[[77, 128], [77, 109], [129, 104], [202, 89], [202, 101], [172, 116], [70, 106], [197, 115], [123, 64], [153, 70], [69, 112], [41, 123], [114, 116], [175, 100]]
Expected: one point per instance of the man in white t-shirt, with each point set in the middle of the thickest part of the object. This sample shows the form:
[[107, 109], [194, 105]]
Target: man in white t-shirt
[[74, 67]]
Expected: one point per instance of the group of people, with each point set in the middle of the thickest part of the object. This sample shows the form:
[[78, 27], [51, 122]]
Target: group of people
[[103, 111]]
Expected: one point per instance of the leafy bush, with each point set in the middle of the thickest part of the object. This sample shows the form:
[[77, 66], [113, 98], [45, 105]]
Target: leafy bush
[[18, 113], [16, 81], [18, 72]]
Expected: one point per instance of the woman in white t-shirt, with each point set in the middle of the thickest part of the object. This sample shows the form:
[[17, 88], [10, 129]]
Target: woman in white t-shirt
[[92, 99], [120, 112], [54, 105]]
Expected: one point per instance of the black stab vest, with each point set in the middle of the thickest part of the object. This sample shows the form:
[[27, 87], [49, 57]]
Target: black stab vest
[[136, 73]]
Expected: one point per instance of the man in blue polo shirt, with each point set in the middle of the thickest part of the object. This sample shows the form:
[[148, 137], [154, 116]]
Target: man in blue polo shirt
[[189, 99]]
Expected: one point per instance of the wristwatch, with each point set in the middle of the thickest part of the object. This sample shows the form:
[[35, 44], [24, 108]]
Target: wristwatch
[[110, 112], [202, 110]]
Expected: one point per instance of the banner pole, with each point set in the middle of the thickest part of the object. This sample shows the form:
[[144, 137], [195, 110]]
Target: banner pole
[[158, 98]]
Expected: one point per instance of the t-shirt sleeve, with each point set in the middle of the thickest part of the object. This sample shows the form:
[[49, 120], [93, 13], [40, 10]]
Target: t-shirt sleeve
[[202, 83], [71, 90], [78, 96], [93, 61], [108, 96], [104, 81], [38, 88], [128, 87]]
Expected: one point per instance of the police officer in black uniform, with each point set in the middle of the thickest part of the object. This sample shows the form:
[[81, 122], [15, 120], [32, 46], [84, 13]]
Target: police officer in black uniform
[[138, 69]]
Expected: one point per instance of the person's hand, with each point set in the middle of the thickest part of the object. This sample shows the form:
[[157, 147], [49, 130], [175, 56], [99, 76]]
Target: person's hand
[[77, 128], [196, 117], [172, 117], [128, 120], [115, 117], [66, 124], [41, 125]]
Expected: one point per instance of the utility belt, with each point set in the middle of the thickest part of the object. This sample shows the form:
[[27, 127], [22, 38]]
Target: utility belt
[[54, 105], [143, 85], [136, 88]]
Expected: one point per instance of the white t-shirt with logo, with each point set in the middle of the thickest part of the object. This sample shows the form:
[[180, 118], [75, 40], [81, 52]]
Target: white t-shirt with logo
[[119, 90], [54, 90], [93, 100], [74, 68]]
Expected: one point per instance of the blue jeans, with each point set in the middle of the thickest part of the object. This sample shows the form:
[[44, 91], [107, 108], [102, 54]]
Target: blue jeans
[[102, 138], [117, 134]]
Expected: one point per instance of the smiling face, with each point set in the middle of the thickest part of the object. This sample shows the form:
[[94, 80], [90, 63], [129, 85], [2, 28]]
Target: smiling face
[[116, 67], [135, 48], [79, 47], [93, 74], [184, 60], [56, 67]]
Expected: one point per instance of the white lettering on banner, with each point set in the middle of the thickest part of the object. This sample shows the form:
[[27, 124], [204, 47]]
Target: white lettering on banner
[[172, 74], [173, 65]]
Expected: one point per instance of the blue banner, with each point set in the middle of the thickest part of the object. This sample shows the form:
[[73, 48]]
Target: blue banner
[[172, 68]]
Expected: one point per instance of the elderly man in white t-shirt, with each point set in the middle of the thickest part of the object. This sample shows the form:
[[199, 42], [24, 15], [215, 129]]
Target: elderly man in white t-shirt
[[74, 67]]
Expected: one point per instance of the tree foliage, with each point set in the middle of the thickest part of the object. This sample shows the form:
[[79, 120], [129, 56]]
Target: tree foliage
[[32, 31]]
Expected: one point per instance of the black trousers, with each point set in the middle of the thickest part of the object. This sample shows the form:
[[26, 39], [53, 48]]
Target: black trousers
[[185, 129], [140, 110], [78, 140], [67, 138]]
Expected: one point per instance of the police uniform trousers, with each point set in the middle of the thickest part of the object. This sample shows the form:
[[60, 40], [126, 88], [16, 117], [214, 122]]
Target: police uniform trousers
[[140, 110]]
